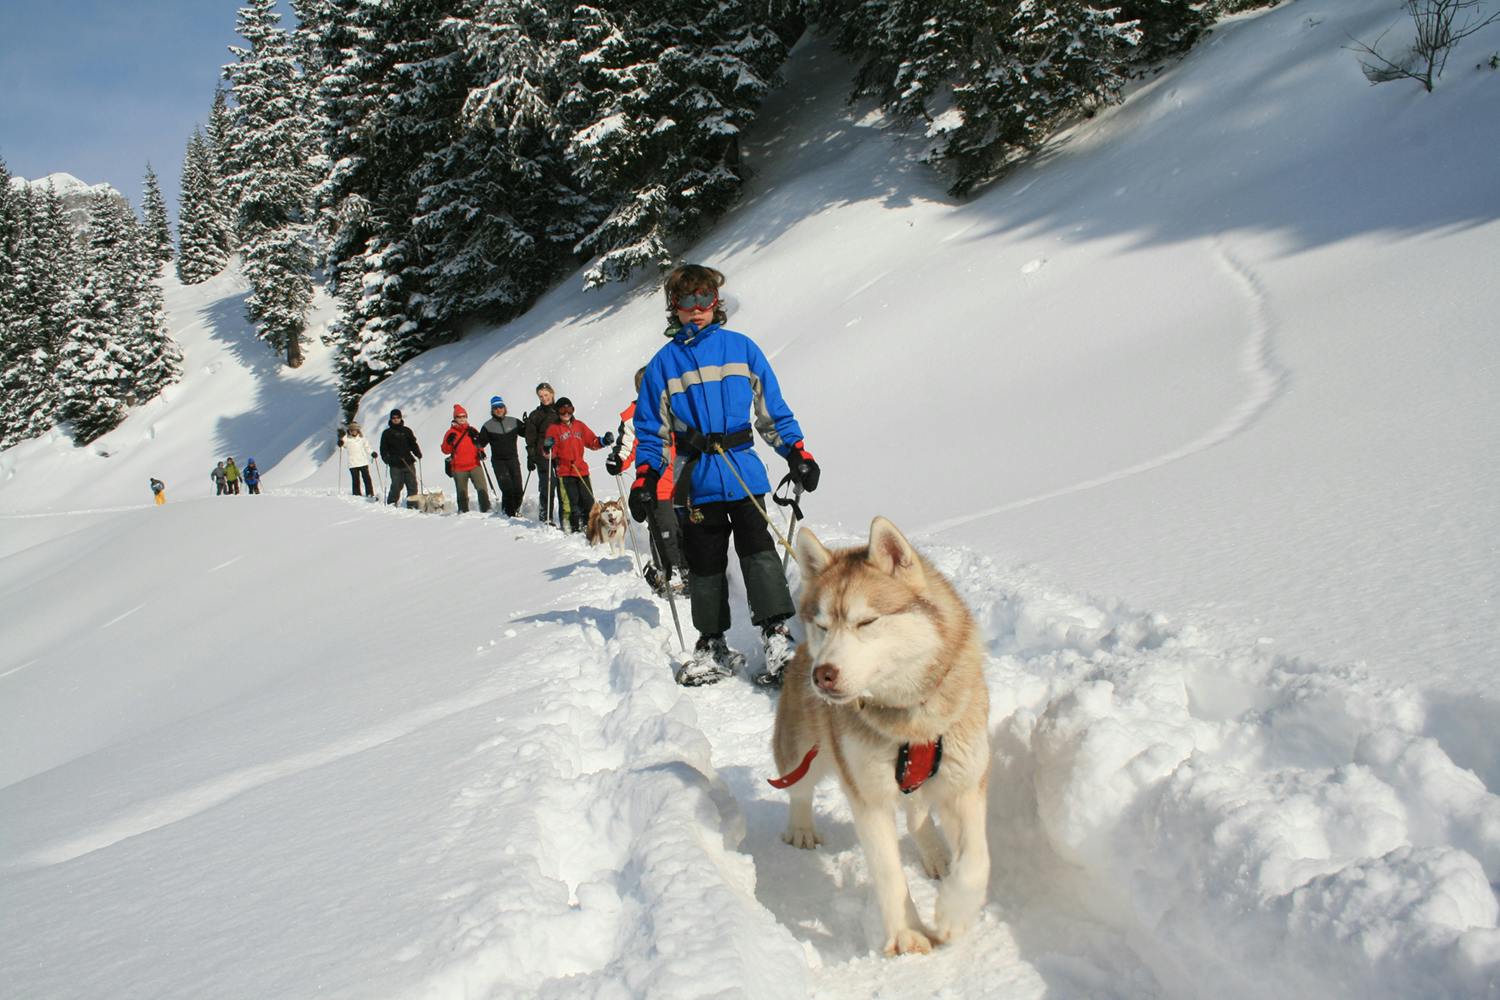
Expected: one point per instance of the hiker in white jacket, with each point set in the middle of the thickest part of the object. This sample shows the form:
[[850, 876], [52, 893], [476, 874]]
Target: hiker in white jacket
[[359, 454]]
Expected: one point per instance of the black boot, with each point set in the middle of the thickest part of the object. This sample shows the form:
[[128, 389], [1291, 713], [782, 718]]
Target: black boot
[[712, 661]]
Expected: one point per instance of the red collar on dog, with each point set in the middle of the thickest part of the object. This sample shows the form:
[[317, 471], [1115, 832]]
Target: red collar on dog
[[916, 763], [797, 773]]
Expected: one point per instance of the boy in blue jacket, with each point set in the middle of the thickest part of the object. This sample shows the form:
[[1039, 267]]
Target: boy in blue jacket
[[703, 389]]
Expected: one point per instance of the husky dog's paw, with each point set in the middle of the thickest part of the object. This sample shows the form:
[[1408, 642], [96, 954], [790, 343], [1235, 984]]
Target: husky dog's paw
[[908, 942], [955, 914], [805, 837]]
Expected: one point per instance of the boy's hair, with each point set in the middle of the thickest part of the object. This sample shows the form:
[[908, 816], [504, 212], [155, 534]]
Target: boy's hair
[[640, 376], [691, 278]]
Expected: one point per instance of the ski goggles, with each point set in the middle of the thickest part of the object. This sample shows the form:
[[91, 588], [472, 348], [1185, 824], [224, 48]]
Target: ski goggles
[[696, 300], [566, 411]]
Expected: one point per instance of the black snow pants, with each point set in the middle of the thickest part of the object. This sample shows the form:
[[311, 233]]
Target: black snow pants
[[705, 545]]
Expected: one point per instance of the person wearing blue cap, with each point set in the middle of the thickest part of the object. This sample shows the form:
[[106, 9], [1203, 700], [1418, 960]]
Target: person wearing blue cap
[[499, 435]]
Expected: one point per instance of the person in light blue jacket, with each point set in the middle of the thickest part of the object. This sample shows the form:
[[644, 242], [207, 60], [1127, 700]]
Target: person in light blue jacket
[[704, 391]]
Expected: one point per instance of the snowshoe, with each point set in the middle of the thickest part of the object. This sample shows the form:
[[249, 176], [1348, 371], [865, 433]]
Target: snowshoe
[[659, 583], [779, 646], [712, 661]]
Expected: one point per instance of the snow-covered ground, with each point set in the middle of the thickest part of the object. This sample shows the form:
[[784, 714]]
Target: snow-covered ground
[[1199, 413]]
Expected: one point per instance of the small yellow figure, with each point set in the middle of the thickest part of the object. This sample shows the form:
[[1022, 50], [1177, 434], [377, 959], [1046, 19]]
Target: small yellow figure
[[158, 490]]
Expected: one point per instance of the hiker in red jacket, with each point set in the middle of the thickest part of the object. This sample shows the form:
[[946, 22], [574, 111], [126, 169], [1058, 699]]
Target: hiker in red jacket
[[568, 438], [465, 452]]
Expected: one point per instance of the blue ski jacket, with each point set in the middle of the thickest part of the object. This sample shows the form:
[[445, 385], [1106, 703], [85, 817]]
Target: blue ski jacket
[[716, 381]]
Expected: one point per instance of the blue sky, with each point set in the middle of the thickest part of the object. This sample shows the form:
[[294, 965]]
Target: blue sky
[[96, 88]]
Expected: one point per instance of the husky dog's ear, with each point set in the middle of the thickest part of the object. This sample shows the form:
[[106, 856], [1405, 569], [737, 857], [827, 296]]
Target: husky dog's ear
[[891, 553], [812, 555]]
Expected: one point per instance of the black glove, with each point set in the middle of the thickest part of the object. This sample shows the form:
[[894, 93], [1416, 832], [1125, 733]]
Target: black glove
[[643, 492], [614, 464], [608, 439], [546, 444], [805, 471], [530, 464]]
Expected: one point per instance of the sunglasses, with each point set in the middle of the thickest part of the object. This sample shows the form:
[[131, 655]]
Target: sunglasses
[[566, 411], [696, 300]]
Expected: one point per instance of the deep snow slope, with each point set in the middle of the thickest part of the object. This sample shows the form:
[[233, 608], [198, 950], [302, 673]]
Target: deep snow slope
[[323, 747]]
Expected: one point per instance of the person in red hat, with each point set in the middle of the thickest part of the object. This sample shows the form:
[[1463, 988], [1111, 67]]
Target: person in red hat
[[465, 451], [569, 438]]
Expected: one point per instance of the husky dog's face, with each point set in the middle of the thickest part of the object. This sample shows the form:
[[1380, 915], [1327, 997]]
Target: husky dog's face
[[871, 631], [611, 514]]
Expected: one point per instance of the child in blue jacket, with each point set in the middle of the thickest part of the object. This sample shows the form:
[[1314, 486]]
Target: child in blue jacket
[[702, 391]]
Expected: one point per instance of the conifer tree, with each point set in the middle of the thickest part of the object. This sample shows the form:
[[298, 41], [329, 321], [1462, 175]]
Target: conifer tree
[[201, 252], [664, 93], [270, 156], [43, 276], [11, 311], [219, 148], [158, 231], [96, 370]]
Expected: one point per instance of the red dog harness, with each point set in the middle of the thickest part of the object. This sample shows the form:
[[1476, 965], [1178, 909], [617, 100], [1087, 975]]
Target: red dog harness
[[915, 763]]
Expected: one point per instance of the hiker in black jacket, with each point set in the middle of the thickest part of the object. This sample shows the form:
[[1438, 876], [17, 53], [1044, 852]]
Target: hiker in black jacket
[[537, 422], [399, 448], [499, 434]]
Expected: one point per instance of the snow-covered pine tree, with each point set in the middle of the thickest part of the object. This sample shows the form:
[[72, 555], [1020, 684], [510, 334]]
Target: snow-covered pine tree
[[991, 80], [664, 91], [219, 148], [1167, 26], [45, 274], [499, 211], [200, 223], [392, 90], [96, 372], [155, 360], [271, 152], [1055, 60], [158, 232], [12, 310]]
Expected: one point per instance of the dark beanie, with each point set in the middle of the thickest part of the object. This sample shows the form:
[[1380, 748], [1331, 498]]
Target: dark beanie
[[563, 401], [396, 413]]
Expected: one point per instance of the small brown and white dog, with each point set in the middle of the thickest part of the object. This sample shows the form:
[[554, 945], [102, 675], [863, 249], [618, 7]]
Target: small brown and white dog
[[607, 526], [432, 502], [888, 694]]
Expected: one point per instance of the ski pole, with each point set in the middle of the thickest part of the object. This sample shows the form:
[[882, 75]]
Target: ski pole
[[493, 492], [666, 577], [379, 480], [791, 523], [339, 483], [629, 532]]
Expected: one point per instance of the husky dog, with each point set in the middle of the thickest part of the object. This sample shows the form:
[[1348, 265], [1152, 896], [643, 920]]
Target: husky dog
[[888, 693], [431, 502], [607, 525]]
